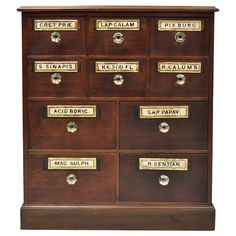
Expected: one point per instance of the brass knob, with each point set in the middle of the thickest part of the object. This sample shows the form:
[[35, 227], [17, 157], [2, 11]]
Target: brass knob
[[55, 37], [180, 37], [118, 79], [71, 127], [56, 78], [164, 180], [164, 127], [118, 38], [71, 179], [180, 79]]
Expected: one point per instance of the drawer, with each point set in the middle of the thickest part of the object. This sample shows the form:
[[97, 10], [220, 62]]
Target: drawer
[[179, 78], [180, 37], [72, 125], [54, 78], [56, 35], [60, 183], [114, 78], [158, 183], [164, 125], [117, 36]]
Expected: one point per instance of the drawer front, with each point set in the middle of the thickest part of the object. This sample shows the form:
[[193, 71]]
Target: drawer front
[[180, 37], [71, 185], [179, 78], [162, 184], [58, 82], [155, 131], [56, 35], [117, 36], [116, 78], [72, 127]]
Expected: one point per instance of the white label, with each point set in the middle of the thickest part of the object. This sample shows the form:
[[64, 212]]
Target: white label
[[66, 163], [112, 66], [179, 25], [71, 111], [58, 25], [158, 112], [163, 164], [117, 24], [180, 67], [56, 66]]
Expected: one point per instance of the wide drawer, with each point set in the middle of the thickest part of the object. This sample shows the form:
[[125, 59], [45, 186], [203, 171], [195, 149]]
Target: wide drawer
[[114, 78], [72, 125], [56, 78], [180, 37], [163, 177], [179, 78], [163, 125], [66, 178], [117, 36], [56, 35]]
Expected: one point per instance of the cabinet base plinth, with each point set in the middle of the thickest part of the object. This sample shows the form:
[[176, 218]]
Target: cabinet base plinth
[[146, 217]]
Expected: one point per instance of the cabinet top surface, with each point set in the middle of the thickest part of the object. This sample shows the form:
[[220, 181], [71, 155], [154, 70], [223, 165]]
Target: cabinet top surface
[[119, 8]]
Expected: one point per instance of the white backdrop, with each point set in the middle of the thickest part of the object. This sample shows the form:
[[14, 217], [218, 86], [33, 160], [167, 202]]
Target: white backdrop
[[11, 170]]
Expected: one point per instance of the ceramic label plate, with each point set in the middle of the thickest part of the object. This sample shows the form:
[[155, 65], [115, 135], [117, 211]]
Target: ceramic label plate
[[180, 25], [75, 163], [159, 112], [163, 164], [119, 24], [58, 25], [115, 66], [83, 111], [55, 66], [179, 67]]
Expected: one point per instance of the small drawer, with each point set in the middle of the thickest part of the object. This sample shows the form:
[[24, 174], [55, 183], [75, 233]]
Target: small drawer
[[163, 125], [58, 182], [180, 37], [179, 78], [117, 78], [117, 36], [56, 35], [163, 178], [56, 78], [72, 125]]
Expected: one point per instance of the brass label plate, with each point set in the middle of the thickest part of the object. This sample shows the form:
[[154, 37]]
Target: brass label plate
[[180, 25], [58, 25], [179, 67], [55, 66], [116, 66], [163, 164], [75, 163], [158, 112], [119, 24], [82, 111]]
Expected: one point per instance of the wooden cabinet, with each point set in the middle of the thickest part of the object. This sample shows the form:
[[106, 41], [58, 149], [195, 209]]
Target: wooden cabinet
[[118, 108]]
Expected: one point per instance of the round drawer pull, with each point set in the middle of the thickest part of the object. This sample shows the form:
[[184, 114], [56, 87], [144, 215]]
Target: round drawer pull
[[56, 78], [118, 79], [180, 37], [71, 179], [164, 127], [164, 180], [118, 38], [71, 127], [55, 37], [180, 79]]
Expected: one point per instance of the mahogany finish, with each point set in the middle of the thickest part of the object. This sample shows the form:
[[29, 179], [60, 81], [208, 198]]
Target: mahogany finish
[[141, 185], [189, 133], [51, 133], [118, 194], [49, 186], [196, 43]]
